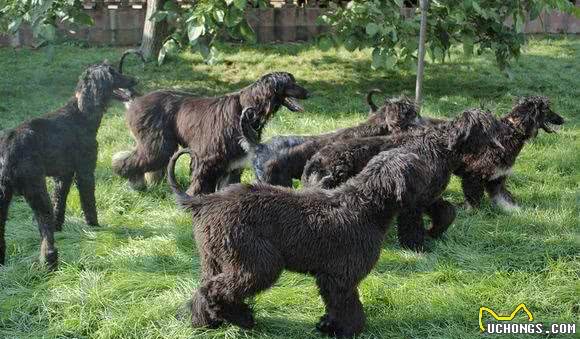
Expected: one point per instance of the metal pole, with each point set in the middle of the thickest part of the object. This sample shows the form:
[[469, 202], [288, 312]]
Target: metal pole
[[424, 5]]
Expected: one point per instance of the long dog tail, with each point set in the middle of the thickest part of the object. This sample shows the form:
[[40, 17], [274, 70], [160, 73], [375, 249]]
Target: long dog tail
[[370, 99], [127, 52], [192, 203], [251, 130]]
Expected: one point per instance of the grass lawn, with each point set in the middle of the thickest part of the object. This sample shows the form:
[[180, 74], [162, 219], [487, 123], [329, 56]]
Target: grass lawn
[[129, 277]]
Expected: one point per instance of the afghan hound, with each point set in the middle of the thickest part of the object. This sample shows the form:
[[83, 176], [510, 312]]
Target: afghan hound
[[161, 121], [62, 145], [248, 234]]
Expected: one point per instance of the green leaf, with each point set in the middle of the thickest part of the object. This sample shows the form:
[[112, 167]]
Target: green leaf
[[233, 17], [248, 33], [158, 16], [47, 32], [240, 4], [161, 56], [15, 25], [229, 2], [195, 32], [372, 29], [219, 15], [171, 6], [83, 18]]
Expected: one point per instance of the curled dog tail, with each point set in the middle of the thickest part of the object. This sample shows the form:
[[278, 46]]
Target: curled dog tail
[[370, 99], [183, 199], [251, 129], [127, 52]]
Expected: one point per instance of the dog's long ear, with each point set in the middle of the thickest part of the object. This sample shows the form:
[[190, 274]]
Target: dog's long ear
[[94, 85], [473, 126]]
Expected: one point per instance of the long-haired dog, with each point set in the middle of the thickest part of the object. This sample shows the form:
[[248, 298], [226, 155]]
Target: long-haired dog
[[62, 145], [162, 120], [247, 235], [488, 170], [442, 146], [283, 158]]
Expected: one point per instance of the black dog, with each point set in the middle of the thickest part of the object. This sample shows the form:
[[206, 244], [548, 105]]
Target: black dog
[[62, 145], [283, 158], [248, 234], [442, 146], [489, 169], [162, 120]]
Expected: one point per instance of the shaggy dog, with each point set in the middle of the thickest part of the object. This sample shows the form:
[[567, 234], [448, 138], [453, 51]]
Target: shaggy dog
[[487, 169], [284, 157], [248, 234], [162, 120], [442, 146], [62, 145]]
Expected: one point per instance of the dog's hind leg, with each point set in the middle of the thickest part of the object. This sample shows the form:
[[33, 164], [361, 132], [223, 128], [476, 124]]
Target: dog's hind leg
[[61, 189], [147, 157], [410, 229], [37, 197], [344, 316], [5, 198], [442, 214], [472, 191], [500, 196], [258, 267]]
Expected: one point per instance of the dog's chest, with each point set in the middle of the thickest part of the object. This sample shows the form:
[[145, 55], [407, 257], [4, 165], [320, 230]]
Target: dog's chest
[[241, 162], [501, 172]]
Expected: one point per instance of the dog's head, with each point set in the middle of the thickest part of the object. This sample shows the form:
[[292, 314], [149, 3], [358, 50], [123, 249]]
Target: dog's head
[[400, 114], [97, 83], [472, 130], [532, 113], [272, 91]]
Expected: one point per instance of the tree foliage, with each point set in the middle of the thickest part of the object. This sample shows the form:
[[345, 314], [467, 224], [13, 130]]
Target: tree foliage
[[207, 22], [43, 16], [478, 25]]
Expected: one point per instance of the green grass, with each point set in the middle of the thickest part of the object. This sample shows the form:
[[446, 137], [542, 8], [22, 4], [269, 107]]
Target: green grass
[[129, 278]]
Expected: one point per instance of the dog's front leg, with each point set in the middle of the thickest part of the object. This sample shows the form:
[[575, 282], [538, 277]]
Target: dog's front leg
[[344, 316], [61, 189], [500, 196], [442, 214], [472, 191], [230, 178], [410, 229], [86, 186]]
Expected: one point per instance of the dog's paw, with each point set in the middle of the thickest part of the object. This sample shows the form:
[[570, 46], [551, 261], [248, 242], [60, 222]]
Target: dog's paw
[[324, 325], [243, 318]]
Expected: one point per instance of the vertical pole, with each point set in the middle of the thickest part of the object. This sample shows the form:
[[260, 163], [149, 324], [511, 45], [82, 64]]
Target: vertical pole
[[424, 5]]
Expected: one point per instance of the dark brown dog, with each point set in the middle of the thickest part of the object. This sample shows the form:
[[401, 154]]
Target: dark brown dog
[[62, 145], [442, 146], [283, 158], [489, 169], [247, 235], [162, 120]]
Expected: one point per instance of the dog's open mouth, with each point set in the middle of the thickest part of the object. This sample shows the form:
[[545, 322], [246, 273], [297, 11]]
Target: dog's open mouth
[[292, 104], [124, 94], [550, 127]]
